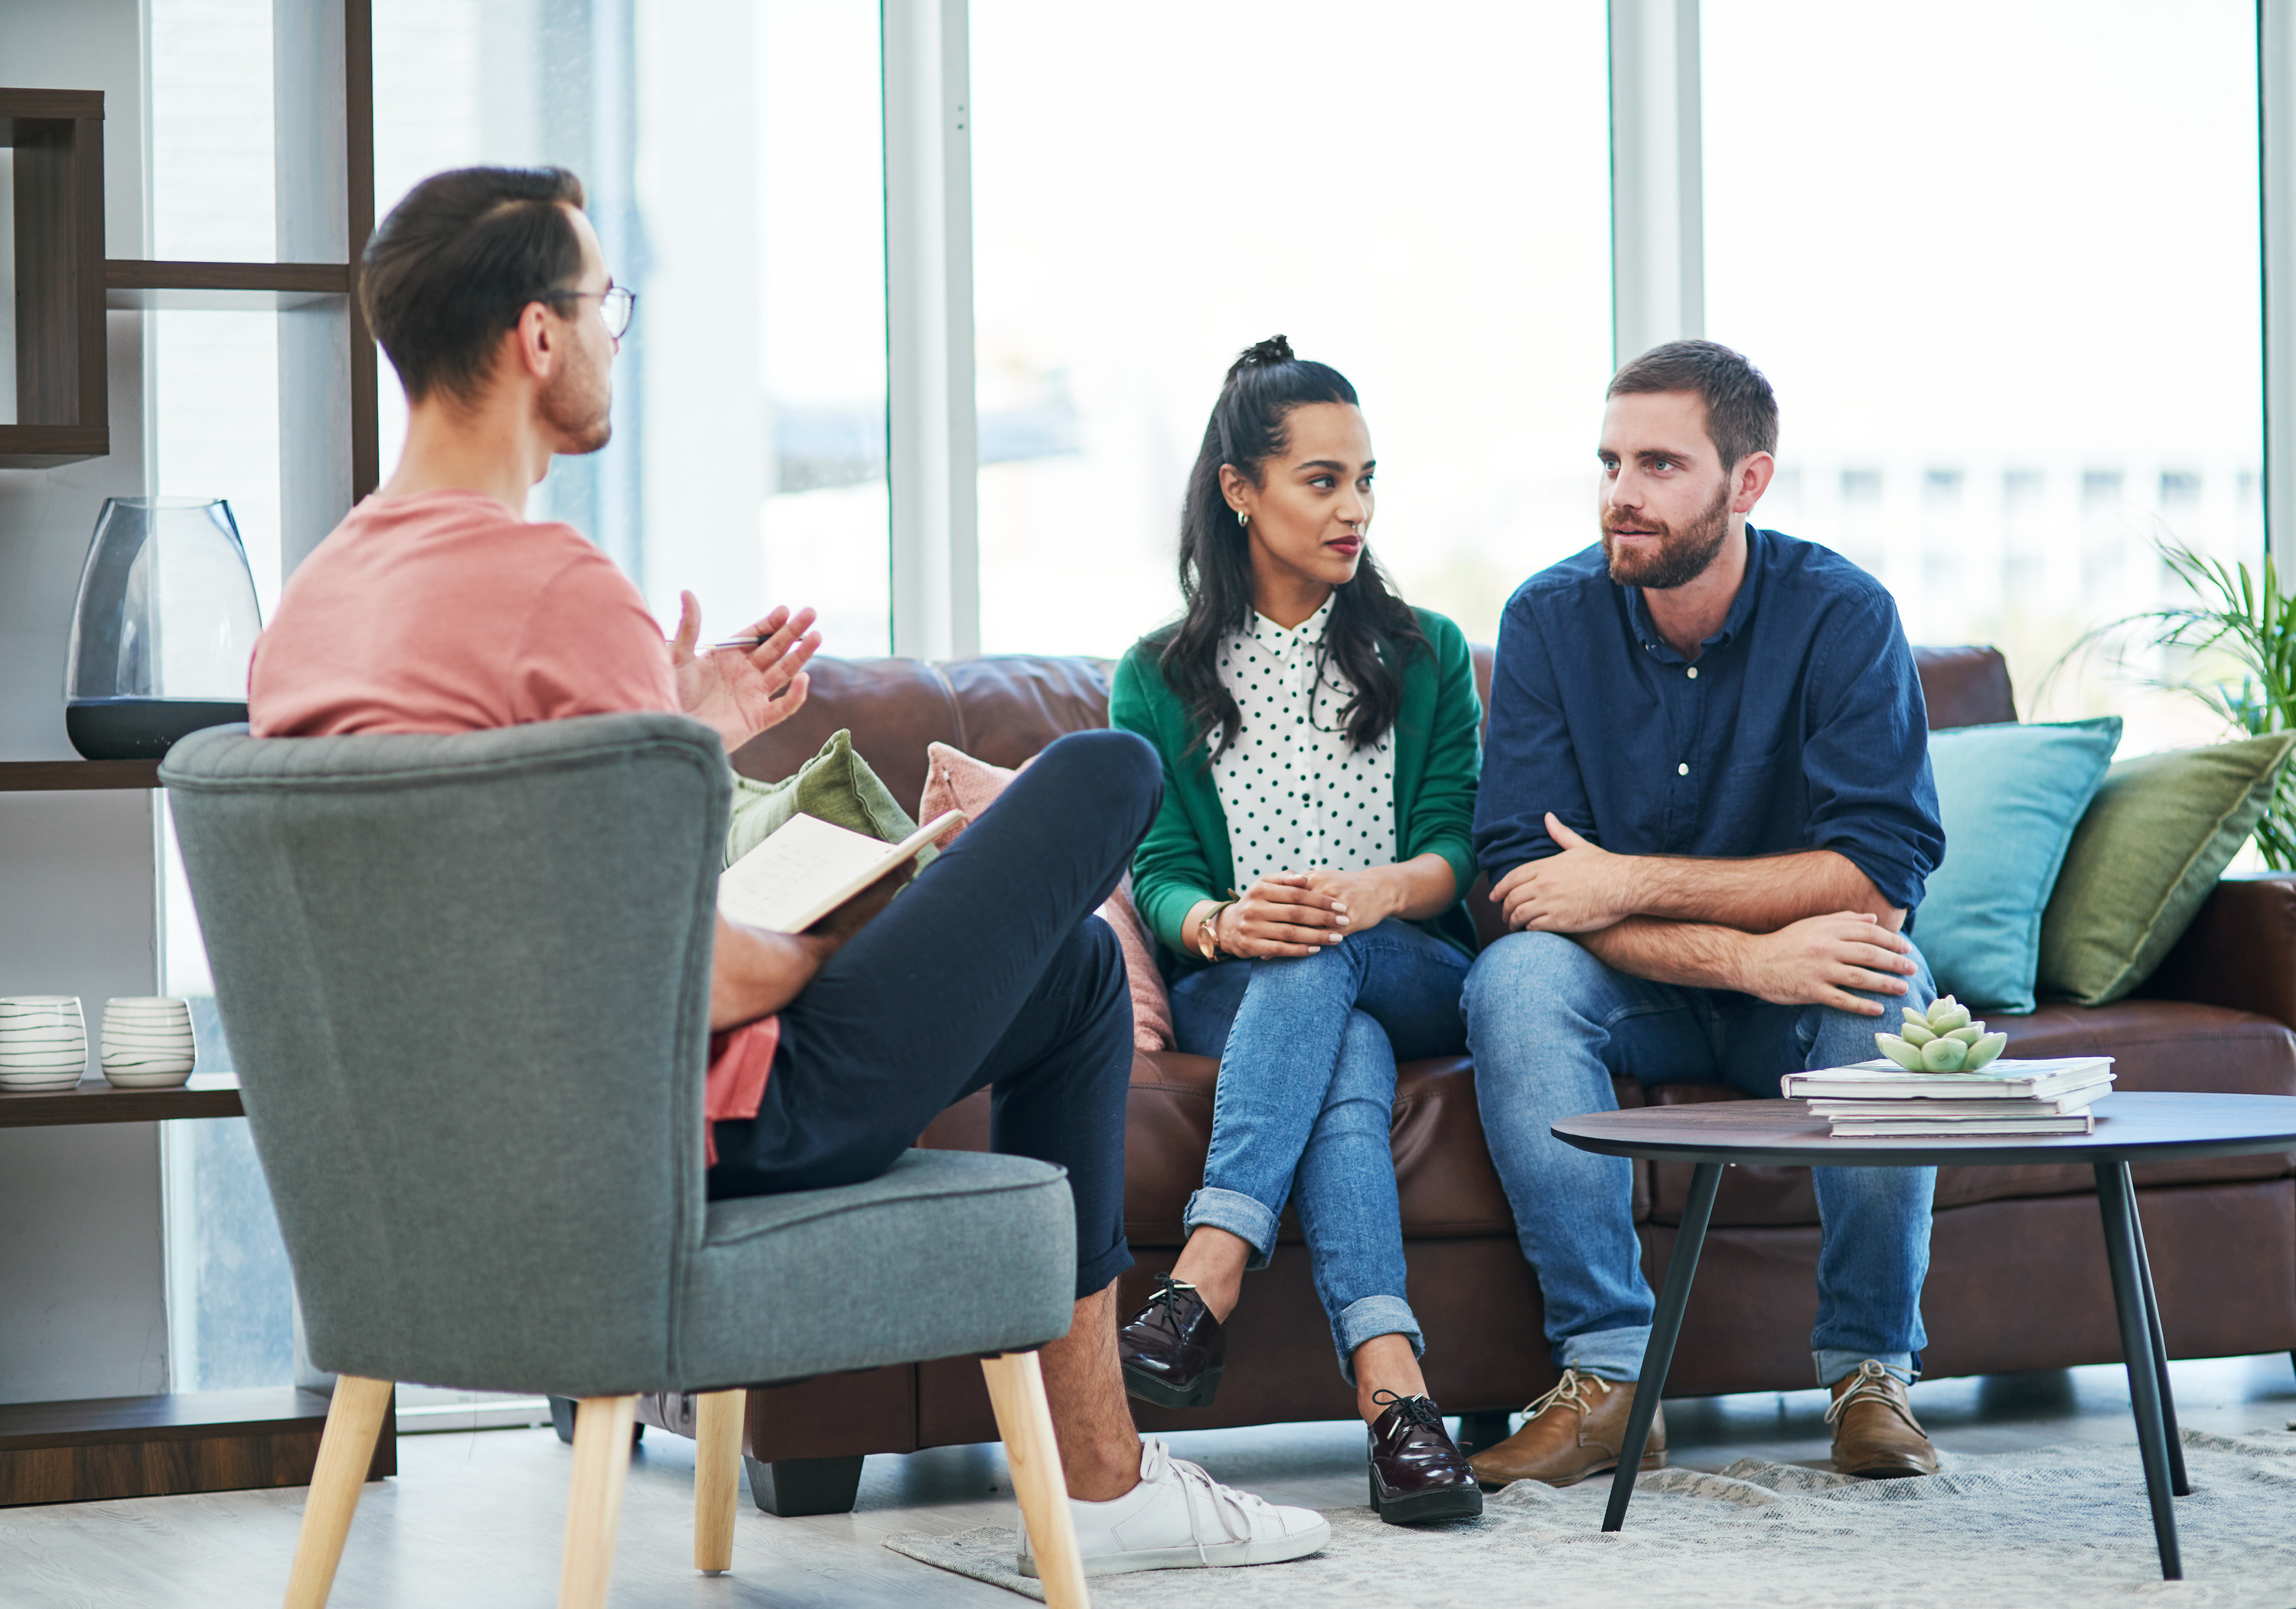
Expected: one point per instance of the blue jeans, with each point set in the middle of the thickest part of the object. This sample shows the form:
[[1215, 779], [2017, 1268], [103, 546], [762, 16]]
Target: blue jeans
[[1308, 1048], [1549, 1025]]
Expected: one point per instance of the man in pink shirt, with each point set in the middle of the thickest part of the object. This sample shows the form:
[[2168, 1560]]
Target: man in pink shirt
[[434, 606]]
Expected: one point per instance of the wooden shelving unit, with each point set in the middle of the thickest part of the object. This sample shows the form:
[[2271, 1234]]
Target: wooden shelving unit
[[71, 775], [62, 409], [142, 1447], [179, 1441], [57, 1452], [132, 285]]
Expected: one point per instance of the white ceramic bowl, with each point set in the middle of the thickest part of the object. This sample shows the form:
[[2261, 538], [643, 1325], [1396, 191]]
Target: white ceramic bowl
[[21, 1083], [146, 1078]]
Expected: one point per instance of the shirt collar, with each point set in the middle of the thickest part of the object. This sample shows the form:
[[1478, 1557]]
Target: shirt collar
[[1741, 607], [1307, 634]]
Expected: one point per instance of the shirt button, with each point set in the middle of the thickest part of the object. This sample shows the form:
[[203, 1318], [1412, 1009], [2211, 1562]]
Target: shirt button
[[1693, 673], [1683, 769]]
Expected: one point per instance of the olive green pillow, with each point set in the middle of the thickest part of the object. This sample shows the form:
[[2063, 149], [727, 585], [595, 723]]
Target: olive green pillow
[[836, 784], [2155, 838]]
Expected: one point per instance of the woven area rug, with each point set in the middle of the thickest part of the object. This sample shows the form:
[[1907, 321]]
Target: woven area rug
[[2044, 1529]]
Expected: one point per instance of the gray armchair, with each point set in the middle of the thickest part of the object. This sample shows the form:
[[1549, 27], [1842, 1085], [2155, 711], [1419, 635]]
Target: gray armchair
[[466, 980]]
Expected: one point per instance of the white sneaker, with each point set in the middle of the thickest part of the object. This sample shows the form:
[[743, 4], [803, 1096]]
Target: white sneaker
[[1180, 1518]]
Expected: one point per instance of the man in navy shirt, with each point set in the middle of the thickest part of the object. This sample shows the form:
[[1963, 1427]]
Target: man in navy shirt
[[1707, 811]]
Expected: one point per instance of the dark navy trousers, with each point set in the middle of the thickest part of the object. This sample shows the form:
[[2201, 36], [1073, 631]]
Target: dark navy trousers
[[988, 971]]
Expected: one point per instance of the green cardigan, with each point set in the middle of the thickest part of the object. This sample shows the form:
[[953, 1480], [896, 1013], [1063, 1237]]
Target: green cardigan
[[1185, 857]]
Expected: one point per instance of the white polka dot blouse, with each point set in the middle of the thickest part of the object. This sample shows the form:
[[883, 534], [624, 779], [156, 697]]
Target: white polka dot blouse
[[1296, 797]]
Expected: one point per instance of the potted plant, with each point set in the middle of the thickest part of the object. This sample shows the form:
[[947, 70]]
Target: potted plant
[[2237, 625]]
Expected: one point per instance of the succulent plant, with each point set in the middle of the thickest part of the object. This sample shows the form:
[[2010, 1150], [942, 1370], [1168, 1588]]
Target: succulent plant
[[1942, 1039]]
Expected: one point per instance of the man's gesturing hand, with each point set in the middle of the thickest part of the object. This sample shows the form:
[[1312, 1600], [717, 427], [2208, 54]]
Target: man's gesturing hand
[[1576, 891], [1818, 960], [743, 692], [1281, 916]]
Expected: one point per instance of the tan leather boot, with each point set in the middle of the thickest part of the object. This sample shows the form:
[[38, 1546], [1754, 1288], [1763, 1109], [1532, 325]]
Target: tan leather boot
[[1875, 1432], [1573, 1432]]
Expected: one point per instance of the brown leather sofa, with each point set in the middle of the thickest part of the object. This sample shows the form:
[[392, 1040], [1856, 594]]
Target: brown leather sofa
[[2017, 1280]]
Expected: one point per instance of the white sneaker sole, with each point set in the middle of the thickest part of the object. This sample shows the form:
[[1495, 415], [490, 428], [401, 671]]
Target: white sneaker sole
[[1264, 1550]]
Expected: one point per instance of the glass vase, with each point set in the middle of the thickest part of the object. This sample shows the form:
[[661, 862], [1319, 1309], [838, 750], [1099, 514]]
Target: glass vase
[[166, 622]]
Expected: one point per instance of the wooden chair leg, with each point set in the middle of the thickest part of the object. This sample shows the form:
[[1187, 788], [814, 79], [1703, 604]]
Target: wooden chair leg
[[593, 1506], [1024, 1419], [346, 1450], [717, 1476]]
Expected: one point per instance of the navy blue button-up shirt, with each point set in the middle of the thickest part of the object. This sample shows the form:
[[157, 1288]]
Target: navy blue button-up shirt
[[1800, 725]]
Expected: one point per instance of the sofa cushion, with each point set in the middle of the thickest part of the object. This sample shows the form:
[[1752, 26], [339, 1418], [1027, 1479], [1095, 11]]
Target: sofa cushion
[[2010, 796], [2156, 1045], [1965, 687], [836, 786], [2155, 840]]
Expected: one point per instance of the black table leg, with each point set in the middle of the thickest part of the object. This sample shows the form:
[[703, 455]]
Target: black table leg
[[2116, 1202], [2177, 1483], [1666, 1327]]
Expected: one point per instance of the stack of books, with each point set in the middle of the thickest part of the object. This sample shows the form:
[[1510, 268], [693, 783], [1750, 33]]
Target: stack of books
[[1878, 1099]]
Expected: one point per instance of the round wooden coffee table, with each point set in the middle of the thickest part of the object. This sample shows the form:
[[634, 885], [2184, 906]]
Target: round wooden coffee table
[[2131, 1127]]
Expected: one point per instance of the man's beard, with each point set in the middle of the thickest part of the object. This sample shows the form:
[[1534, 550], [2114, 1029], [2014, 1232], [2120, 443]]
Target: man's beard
[[578, 404], [1682, 556]]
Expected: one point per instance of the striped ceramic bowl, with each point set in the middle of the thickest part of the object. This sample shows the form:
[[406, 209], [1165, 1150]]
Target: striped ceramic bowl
[[43, 1042], [148, 1042]]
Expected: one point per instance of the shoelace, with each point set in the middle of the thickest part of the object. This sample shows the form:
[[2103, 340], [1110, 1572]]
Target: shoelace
[[1419, 1410], [1571, 1392], [1167, 1294], [1873, 1383], [1230, 1507]]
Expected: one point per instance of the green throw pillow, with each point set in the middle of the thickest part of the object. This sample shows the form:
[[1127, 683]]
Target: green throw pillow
[[2156, 838], [836, 784]]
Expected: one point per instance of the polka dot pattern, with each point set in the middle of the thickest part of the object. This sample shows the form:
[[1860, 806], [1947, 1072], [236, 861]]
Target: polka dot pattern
[[1296, 797]]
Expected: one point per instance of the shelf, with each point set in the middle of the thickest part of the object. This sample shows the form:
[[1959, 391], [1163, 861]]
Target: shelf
[[131, 283], [207, 1094], [51, 446], [63, 775], [137, 1447]]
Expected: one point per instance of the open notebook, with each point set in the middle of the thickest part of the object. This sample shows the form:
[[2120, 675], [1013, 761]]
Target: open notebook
[[806, 868]]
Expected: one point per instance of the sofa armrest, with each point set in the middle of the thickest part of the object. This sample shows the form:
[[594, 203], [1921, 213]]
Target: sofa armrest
[[2239, 951]]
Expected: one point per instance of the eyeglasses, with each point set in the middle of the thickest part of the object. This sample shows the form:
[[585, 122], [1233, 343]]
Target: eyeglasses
[[617, 306]]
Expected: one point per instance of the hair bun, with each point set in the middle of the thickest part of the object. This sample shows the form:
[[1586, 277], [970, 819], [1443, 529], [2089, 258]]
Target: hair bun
[[1275, 349]]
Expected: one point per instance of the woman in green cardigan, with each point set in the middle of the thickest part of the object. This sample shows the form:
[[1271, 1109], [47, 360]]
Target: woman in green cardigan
[[1320, 747]]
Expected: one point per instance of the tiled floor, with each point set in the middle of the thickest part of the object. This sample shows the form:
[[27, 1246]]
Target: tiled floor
[[476, 1518]]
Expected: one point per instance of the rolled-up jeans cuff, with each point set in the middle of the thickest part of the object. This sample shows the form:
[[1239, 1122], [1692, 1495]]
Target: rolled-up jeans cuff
[[1615, 1355], [1360, 1321], [1239, 1215], [1836, 1363]]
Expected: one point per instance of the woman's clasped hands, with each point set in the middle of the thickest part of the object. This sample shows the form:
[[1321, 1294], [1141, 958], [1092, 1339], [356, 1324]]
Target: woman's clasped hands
[[1298, 912]]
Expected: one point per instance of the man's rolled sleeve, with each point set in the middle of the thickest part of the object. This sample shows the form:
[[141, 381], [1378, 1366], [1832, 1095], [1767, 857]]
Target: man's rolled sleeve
[[1866, 765]]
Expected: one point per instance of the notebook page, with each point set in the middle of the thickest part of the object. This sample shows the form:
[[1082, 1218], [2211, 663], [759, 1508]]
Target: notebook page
[[804, 861]]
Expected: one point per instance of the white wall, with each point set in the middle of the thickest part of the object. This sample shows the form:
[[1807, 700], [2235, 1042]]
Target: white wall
[[82, 1292]]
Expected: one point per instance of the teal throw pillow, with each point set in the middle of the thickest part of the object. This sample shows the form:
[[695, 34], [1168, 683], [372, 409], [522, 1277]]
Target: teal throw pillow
[[2011, 796]]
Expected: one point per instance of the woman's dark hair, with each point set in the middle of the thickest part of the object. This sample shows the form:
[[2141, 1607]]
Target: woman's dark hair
[[1248, 428], [454, 263]]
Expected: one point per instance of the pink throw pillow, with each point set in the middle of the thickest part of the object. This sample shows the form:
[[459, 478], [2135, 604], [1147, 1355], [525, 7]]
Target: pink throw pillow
[[956, 781]]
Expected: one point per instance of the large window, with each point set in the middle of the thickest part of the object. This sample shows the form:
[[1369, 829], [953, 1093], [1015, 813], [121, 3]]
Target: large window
[[731, 149], [214, 433], [1418, 197], [2002, 264]]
